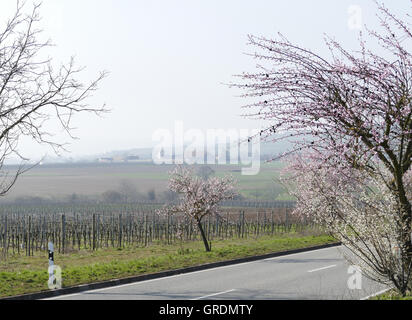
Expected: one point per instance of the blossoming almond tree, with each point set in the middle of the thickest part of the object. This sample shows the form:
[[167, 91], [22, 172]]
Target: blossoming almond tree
[[198, 197], [350, 114], [360, 211]]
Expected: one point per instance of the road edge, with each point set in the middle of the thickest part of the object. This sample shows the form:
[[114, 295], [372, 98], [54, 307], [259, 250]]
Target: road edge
[[162, 274]]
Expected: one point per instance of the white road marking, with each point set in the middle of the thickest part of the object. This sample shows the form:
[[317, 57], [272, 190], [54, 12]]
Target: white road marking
[[214, 294], [376, 294], [305, 252], [324, 268]]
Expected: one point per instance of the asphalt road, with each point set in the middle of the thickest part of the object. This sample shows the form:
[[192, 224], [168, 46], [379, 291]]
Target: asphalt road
[[321, 274]]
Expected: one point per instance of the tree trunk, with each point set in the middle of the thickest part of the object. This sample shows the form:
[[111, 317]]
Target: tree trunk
[[406, 235], [202, 232]]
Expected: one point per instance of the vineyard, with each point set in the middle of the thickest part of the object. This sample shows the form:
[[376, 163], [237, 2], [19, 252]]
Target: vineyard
[[26, 230]]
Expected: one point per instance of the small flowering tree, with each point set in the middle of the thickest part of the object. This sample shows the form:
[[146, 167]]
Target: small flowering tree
[[198, 197], [349, 116]]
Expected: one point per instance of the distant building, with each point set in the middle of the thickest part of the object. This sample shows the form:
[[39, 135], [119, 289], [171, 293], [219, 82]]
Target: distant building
[[132, 159], [105, 160]]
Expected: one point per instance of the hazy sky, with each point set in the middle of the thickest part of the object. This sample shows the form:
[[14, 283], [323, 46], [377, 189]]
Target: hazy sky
[[168, 59]]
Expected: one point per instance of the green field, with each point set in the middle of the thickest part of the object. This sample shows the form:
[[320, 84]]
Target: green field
[[92, 180]]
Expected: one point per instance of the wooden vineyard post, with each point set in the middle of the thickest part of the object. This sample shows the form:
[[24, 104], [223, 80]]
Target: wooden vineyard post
[[287, 218], [191, 229], [227, 224], [257, 224], [63, 233], [208, 228], [243, 224], [145, 223], [18, 227], [129, 227], [111, 228], [217, 229], [167, 229], [272, 224], [264, 222], [3, 244], [5, 241], [239, 225], [28, 240], [153, 227], [120, 230], [43, 230], [94, 231]]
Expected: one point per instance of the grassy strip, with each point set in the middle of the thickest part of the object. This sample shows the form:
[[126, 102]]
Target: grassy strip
[[21, 275], [392, 295]]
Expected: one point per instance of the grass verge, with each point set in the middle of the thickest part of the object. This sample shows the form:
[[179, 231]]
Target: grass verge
[[392, 295], [21, 275]]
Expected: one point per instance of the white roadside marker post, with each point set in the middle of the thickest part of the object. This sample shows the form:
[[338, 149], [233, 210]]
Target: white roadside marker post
[[51, 254], [55, 280]]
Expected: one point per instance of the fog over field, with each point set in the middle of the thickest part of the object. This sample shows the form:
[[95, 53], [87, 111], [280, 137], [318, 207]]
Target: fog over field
[[169, 61], [60, 182]]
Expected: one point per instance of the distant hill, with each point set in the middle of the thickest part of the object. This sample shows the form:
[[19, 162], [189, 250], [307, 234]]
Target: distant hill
[[268, 150]]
